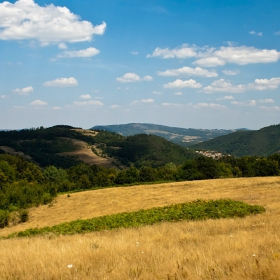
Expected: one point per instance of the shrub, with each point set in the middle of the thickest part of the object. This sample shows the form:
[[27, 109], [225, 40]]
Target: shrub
[[4, 218]]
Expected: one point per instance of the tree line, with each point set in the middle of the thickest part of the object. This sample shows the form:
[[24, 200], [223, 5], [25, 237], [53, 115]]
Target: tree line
[[24, 184]]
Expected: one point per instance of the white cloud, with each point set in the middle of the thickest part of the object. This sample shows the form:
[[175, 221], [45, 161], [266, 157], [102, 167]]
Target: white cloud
[[245, 55], [56, 108], [134, 53], [62, 82], [209, 105], [148, 78], [89, 52], [231, 72], [178, 93], [184, 52], [62, 46], [85, 96], [150, 100], [188, 72], [255, 33], [114, 106], [223, 86], [212, 57], [266, 100], [171, 104], [248, 103], [183, 84], [90, 102], [270, 108], [26, 20], [24, 91], [157, 92], [265, 84], [277, 33], [38, 103], [228, 97], [210, 62], [4, 96], [132, 77]]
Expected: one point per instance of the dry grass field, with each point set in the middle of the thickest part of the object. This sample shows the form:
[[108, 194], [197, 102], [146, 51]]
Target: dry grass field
[[247, 248]]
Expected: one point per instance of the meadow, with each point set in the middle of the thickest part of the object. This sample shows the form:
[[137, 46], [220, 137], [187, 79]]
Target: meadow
[[239, 248]]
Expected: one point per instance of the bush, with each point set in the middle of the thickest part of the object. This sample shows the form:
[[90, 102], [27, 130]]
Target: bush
[[23, 216], [4, 218]]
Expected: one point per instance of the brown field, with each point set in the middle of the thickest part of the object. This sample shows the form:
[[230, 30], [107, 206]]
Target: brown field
[[247, 248], [84, 153]]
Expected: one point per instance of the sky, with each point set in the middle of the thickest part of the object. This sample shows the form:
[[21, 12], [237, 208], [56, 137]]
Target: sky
[[192, 64]]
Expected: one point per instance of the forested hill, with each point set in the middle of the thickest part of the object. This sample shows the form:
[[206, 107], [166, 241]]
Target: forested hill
[[263, 142], [65, 146], [181, 136]]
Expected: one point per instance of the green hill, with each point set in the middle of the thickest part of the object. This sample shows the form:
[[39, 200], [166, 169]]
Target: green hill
[[263, 142], [182, 136], [59, 146]]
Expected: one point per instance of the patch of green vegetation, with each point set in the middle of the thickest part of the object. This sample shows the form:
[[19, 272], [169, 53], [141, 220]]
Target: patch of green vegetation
[[190, 211]]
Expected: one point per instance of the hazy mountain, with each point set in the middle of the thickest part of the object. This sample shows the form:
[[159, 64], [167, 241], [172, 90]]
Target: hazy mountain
[[181, 136]]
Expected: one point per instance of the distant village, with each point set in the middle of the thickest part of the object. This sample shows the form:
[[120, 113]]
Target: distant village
[[212, 154]]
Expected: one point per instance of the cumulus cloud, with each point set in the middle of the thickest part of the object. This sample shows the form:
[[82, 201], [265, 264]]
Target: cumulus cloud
[[210, 62], [24, 91], [56, 108], [89, 52], [171, 104], [38, 103], [248, 103], [183, 84], [228, 97], [231, 72], [268, 100], [134, 53], [208, 105], [62, 46], [223, 86], [150, 100], [157, 92], [245, 55], [212, 57], [62, 82], [178, 93], [114, 106], [3, 96], [50, 24], [184, 52], [133, 77], [256, 33], [265, 84], [85, 96], [270, 108], [90, 102], [188, 71]]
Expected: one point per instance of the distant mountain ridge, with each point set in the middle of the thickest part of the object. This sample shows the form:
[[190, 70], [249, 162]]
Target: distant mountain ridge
[[182, 136], [262, 142]]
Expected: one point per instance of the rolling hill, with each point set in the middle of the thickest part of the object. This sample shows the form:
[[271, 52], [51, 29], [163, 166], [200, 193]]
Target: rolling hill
[[65, 146], [181, 136], [263, 142]]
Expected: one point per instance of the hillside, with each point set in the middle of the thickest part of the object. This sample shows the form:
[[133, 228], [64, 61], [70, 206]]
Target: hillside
[[181, 136], [65, 146], [263, 142], [240, 248]]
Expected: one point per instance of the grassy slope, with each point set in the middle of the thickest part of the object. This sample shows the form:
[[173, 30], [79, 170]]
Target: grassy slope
[[246, 248], [263, 142]]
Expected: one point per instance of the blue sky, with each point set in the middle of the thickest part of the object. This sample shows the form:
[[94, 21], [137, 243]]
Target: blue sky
[[192, 64]]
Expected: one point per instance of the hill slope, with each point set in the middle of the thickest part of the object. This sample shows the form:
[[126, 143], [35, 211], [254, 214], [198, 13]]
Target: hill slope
[[65, 146], [263, 142], [181, 136]]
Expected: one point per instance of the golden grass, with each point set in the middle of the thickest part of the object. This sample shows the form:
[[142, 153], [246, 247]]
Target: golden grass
[[246, 248]]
